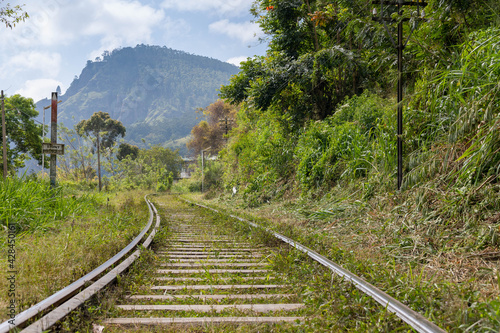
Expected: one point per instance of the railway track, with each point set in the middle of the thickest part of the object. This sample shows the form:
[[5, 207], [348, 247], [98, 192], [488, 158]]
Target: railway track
[[205, 277]]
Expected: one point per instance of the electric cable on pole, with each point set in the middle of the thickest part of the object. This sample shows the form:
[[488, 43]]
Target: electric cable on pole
[[399, 47]]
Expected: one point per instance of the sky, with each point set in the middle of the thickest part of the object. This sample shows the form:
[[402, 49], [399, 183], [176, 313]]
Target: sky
[[53, 45]]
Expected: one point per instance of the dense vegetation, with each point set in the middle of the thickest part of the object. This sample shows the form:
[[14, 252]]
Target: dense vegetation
[[318, 110], [61, 234], [314, 147], [154, 91], [125, 166], [23, 134], [33, 205]]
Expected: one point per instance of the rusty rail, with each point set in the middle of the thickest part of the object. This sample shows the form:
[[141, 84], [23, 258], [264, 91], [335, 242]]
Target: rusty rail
[[411, 317]]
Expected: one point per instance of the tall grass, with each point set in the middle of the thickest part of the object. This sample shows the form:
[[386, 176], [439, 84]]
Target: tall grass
[[68, 246], [456, 131], [34, 205]]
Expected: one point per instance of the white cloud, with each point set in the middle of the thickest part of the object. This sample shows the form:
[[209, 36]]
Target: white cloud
[[121, 23], [237, 60], [246, 31], [223, 7], [61, 22], [50, 23], [39, 88], [173, 28], [49, 64]]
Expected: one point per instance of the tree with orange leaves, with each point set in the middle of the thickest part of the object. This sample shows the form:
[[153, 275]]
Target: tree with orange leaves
[[210, 132]]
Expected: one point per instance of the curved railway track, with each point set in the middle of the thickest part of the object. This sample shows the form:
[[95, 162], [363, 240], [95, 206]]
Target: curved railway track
[[203, 277]]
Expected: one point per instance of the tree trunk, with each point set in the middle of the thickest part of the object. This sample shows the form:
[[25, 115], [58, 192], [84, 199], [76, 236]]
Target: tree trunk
[[313, 26]]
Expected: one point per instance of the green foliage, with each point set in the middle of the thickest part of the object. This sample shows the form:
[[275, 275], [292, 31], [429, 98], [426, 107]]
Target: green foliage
[[259, 160], [165, 180], [23, 135], [345, 145], [34, 205], [460, 114], [105, 130], [12, 15], [489, 313], [212, 175], [213, 172], [308, 87], [305, 117], [154, 168], [125, 150], [78, 162]]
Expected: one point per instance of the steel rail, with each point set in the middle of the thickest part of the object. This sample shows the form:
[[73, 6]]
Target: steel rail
[[411, 317], [60, 312], [69, 290]]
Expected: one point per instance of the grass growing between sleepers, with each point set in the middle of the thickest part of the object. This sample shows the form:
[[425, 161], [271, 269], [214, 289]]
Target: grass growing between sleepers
[[332, 305]]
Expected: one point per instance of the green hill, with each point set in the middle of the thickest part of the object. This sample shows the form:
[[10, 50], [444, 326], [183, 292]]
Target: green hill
[[154, 91]]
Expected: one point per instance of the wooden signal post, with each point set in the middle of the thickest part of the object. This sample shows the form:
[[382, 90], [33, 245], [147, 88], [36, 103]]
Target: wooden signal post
[[53, 148]]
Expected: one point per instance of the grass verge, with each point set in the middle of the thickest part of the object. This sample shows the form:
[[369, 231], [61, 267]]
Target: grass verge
[[434, 267], [48, 259]]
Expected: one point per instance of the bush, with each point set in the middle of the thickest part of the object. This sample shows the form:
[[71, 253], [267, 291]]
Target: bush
[[342, 146]]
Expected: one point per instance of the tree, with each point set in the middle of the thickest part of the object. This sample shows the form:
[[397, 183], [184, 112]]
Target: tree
[[105, 130], [12, 15], [312, 64], [23, 135], [155, 167], [125, 150], [211, 132], [77, 161]]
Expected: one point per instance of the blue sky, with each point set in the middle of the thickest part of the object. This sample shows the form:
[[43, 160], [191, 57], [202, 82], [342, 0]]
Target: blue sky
[[54, 44]]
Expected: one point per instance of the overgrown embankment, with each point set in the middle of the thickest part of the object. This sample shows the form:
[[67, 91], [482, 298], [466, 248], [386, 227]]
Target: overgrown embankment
[[61, 235], [331, 183]]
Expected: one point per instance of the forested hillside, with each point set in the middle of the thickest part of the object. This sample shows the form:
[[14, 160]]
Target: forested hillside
[[154, 91]]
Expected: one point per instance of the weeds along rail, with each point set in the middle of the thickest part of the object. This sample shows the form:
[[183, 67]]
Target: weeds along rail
[[411, 317], [65, 299], [204, 276]]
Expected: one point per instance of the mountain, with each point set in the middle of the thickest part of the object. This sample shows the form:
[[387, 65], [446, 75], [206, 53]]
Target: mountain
[[154, 91]]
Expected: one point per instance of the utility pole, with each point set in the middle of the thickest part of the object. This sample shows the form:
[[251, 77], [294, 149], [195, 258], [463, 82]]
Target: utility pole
[[43, 136], [4, 138], [53, 139], [225, 123], [400, 47], [203, 168]]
